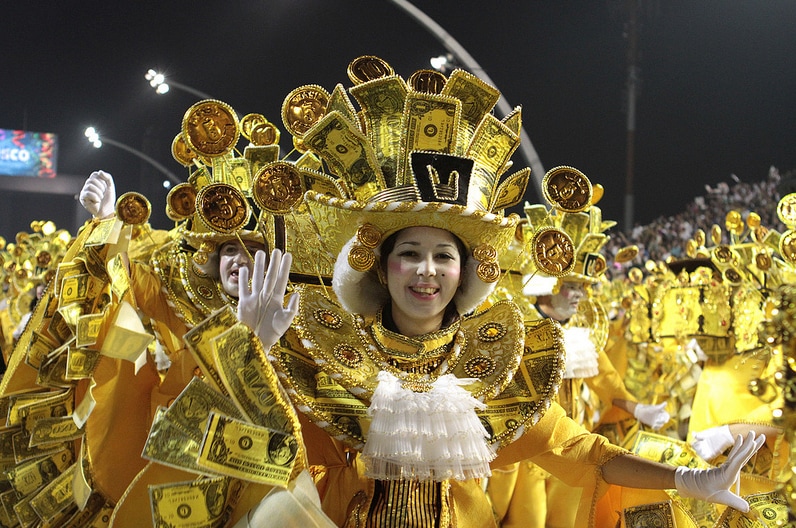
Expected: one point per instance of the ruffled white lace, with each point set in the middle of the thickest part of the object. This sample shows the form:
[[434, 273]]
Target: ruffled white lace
[[581, 354], [434, 435]]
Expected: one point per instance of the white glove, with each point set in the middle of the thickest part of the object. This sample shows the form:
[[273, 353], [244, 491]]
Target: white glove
[[711, 442], [654, 416], [298, 506], [261, 306], [98, 194], [713, 484]]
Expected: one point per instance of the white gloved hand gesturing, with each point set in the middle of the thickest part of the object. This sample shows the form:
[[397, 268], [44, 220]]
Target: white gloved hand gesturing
[[711, 442], [713, 484], [654, 416], [261, 306], [98, 194]]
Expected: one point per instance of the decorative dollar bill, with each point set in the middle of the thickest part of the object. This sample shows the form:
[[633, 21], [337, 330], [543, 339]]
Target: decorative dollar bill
[[233, 171], [192, 407], [23, 451], [73, 289], [765, 510], [199, 341], [658, 514], [7, 445], [666, 450], [673, 452], [80, 362], [251, 381], [477, 100], [196, 504], [169, 445], [57, 405], [348, 153], [259, 156], [494, 143], [382, 101], [430, 122], [18, 401], [25, 513], [88, 328], [95, 514], [8, 497], [105, 232], [119, 277], [30, 476], [59, 328], [40, 347], [55, 496], [248, 452], [52, 371], [48, 431]]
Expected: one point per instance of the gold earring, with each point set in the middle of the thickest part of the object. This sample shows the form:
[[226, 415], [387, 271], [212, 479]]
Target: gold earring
[[488, 269], [361, 257]]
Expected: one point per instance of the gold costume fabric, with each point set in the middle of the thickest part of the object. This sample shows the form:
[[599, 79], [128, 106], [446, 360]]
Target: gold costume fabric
[[524, 495], [353, 500]]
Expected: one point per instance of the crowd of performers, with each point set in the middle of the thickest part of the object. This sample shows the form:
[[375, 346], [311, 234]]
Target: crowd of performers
[[359, 334]]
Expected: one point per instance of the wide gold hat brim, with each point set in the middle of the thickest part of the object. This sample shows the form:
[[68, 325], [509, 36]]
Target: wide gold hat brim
[[338, 220]]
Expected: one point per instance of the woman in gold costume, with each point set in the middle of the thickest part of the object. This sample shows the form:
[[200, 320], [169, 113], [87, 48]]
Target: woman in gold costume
[[408, 371]]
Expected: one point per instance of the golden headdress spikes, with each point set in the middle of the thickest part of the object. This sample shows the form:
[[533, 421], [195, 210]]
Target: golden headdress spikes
[[565, 240]]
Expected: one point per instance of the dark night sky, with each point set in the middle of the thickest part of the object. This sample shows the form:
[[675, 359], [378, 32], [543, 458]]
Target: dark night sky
[[717, 94]]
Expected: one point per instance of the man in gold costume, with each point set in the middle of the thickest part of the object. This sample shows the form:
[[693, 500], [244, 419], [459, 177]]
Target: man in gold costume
[[526, 495]]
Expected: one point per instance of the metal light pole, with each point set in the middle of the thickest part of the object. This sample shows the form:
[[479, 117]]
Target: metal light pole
[[94, 138], [464, 58]]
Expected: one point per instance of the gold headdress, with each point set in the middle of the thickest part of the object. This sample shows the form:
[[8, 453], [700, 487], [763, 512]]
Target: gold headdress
[[719, 293], [30, 261], [232, 196], [425, 151], [563, 240]]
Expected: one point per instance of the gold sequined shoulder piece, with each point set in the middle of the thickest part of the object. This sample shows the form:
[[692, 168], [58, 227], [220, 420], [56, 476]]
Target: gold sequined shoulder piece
[[494, 343]]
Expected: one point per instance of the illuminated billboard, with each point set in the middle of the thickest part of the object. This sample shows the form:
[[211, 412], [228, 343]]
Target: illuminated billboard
[[25, 153]]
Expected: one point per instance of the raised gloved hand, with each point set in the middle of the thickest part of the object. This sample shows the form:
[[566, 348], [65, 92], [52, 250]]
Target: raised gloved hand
[[654, 416], [98, 194], [711, 442], [261, 305], [713, 484]]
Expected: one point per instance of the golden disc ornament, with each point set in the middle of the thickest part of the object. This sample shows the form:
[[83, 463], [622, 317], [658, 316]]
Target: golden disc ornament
[[626, 254], [303, 108], [265, 134], [699, 238], [222, 208], [181, 152], [133, 208], [553, 252], [367, 68], [277, 187], [734, 223], [211, 128], [787, 246], [715, 234], [567, 189], [181, 202], [427, 81], [786, 209], [597, 192], [249, 122]]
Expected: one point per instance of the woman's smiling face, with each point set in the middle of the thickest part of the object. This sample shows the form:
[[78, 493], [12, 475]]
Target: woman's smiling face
[[423, 273]]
